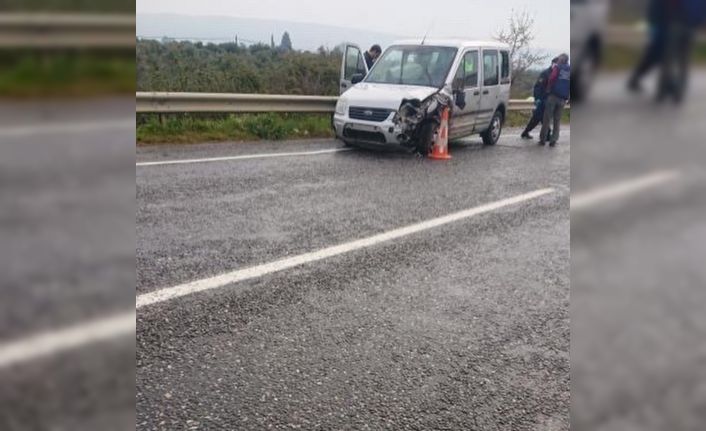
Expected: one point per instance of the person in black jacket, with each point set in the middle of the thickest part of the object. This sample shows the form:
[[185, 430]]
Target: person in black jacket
[[372, 54], [540, 95]]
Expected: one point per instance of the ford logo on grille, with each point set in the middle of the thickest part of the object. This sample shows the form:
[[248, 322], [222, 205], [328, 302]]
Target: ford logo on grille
[[368, 113]]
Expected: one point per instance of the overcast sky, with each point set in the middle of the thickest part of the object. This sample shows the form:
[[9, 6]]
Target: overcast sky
[[477, 19]]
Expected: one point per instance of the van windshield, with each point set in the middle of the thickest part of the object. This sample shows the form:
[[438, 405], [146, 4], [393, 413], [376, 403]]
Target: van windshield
[[413, 65]]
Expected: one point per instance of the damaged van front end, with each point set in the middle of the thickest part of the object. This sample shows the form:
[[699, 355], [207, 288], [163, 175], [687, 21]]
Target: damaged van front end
[[396, 117], [418, 121]]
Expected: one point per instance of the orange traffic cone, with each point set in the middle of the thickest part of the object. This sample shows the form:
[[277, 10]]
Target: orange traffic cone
[[440, 149]]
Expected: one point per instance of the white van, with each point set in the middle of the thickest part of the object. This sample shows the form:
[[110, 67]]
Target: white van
[[398, 102]]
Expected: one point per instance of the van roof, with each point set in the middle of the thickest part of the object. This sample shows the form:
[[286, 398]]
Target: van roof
[[455, 43]]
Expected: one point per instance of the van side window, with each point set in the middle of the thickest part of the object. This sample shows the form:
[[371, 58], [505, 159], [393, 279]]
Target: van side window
[[467, 71], [470, 69], [505, 67], [490, 68]]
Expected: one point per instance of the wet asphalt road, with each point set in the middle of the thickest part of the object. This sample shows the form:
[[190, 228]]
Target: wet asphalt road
[[464, 326], [67, 256], [637, 273]]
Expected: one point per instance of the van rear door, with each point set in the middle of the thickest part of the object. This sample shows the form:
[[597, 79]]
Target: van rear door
[[352, 63]]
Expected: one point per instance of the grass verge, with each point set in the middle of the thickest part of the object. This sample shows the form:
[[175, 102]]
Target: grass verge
[[521, 118], [619, 58], [185, 128], [66, 74]]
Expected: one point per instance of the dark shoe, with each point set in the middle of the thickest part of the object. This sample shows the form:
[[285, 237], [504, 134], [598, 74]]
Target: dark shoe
[[541, 143], [552, 144], [526, 135]]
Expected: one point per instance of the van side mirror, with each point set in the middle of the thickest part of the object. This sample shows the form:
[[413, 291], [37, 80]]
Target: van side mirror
[[457, 85], [356, 78], [460, 98]]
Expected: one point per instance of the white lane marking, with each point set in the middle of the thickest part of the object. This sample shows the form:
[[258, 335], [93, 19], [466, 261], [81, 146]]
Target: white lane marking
[[51, 128], [53, 342], [170, 293], [244, 157], [263, 156], [621, 189]]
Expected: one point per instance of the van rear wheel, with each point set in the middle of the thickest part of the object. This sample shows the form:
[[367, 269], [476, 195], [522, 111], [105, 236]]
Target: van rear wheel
[[492, 135]]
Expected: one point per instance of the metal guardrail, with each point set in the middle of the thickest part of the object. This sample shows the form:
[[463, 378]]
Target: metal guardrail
[[61, 31], [228, 102], [156, 102]]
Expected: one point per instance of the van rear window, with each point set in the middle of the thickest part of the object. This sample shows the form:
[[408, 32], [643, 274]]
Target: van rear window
[[505, 67], [490, 68]]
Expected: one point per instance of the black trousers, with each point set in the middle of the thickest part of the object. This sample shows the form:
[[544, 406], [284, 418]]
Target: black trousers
[[535, 120], [653, 54], [674, 74]]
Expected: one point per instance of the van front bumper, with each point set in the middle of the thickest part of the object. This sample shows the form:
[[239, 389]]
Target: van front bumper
[[384, 133]]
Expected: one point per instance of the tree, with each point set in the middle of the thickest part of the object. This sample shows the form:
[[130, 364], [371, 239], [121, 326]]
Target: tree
[[286, 44], [520, 35]]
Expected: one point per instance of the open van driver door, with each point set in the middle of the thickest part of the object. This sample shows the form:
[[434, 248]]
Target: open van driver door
[[353, 67]]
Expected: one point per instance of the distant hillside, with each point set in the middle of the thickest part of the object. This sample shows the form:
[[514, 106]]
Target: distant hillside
[[218, 29]]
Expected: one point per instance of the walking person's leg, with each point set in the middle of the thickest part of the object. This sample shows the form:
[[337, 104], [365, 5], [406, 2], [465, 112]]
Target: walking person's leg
[[537, 115], [558, 111], [684, 46], [546, 120], [667, 80], [652, 56]]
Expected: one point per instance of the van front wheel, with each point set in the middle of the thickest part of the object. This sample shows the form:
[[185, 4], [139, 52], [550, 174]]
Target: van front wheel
[[492, 135], [426, 137]]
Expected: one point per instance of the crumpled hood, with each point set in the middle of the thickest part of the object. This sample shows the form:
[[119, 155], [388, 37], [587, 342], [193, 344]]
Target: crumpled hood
[[386, 96]]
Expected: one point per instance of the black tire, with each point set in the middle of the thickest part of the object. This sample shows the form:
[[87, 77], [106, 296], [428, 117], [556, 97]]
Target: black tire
[[492, 135], [426, 137]]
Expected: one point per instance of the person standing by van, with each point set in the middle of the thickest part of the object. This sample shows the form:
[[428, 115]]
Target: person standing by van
[[684, 17], [558, 92], [540, 96], [372, 55]]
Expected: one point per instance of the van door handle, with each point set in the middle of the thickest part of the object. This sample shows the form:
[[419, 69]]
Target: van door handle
[[486, 91], [477, 92]]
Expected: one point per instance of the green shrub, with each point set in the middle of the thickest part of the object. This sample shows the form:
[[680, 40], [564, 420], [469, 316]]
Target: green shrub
[[267, 126], [185, 128]]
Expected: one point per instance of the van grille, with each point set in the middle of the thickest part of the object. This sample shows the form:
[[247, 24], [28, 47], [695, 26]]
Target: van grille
[[362, 135], [368, 114]]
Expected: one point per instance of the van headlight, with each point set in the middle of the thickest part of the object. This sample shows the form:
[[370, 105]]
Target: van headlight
[[341, 107]]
